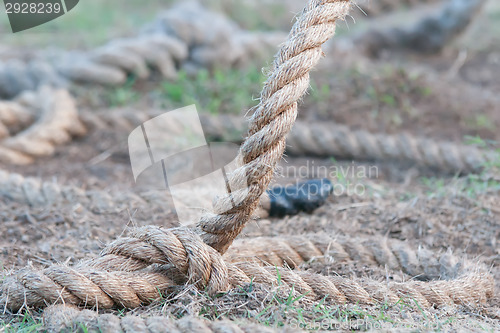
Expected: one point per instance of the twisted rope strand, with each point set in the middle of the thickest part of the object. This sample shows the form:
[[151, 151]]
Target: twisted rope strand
[[59, 318], [373, 251], [57, 122], [272, 120], [133, 270], [327, 140]]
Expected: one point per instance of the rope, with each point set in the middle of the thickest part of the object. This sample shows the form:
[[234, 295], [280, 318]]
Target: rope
[[288, 80], [187, 36], [37, 193], [13, 117], [323, 139], [327, 139], [393, 254], [59, 318], [134, 270], [57, 122]]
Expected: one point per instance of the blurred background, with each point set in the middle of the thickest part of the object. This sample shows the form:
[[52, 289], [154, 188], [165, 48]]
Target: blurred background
[[373, 80], [384, 70]]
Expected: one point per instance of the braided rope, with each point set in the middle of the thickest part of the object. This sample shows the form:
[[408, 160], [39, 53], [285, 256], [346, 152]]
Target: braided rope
[[37, 193], [272, 120], [393, 254], [134, 270], [152, 258], [326, 140], [58, 318], [13, 117], [57, 122], [173, 41]]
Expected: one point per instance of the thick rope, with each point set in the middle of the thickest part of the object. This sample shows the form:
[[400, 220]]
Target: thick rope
[[187, 36], [162, 258], [327, 139], [13, 117], [36, 193], [115, 280], [57, 122], [393, 254], [271, 121], [322, 139], [134, 270], [59, 318]]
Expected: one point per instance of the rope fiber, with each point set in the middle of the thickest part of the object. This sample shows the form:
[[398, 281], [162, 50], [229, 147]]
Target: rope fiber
[[136, 269]]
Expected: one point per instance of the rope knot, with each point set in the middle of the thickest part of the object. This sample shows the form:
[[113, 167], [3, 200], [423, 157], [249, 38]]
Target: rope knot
[[179, 251]]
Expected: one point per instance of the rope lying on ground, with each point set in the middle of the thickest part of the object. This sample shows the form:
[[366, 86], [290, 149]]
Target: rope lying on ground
[[278, 201], [37, 193], [57, 120], [60, 317], [380, 7], [188, 36], [326, 140], [134, 270], [393, 254], [13, 117], [292, 251], [430, 35], [317, 139], [272, 120]]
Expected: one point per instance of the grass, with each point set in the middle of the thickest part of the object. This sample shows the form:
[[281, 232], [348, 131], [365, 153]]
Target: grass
[[25, 325], [288, 311], [223, 91], [471, 185], [89, 24], [251, 15], [122, 95]]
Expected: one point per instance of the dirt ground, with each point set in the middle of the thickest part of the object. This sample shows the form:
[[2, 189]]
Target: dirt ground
[[419, 95]]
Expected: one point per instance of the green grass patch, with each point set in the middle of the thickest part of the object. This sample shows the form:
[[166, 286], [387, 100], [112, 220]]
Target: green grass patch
[[222, 91], [471, 185], [89, 24], [25, 324]]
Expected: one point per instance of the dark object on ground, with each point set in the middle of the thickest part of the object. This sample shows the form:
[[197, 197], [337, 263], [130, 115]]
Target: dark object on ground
[[304, 197]]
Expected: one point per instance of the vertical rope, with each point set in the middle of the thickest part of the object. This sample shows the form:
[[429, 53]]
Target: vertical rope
[[272, 120]]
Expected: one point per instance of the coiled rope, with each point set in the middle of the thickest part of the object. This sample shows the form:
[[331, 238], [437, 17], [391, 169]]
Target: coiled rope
[[56, 122], [134, 270]]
